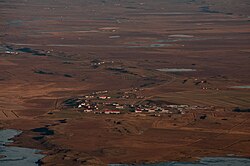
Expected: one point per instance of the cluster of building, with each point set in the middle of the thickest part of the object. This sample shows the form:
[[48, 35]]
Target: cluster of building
[[168, 109], [101, 102], [96, 63], [11, 52], [100, 107]]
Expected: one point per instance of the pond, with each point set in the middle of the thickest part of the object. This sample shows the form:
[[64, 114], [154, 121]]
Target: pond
[[150, 46], [241, 87], [12, 156], [173, 70]]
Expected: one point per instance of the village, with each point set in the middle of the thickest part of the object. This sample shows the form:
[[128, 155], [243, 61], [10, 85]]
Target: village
[[101, 102]]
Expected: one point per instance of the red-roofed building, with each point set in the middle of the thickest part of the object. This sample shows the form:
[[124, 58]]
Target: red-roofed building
[[138, 110], [112, 112]]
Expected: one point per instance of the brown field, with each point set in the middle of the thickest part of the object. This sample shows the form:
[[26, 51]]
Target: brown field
[[47, 50]]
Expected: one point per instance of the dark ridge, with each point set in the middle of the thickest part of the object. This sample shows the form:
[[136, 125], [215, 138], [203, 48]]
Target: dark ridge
[[206, 9], [67, 75], [158, 102], [38, 138], [26, 50], [67, 63], [203, 116], [120, 70], [241, 110], [63, 121], [147, 84], [9, 48], [71, 102], [43, 72], [43, 131], [31, 51]]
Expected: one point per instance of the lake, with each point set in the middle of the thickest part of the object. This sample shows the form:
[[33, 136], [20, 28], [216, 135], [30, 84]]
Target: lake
[[13, 156], [241, 87], [174, 70], [209, 161]]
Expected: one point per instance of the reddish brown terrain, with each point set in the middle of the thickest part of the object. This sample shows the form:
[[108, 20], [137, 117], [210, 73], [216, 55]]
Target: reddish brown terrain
[[120, 56]]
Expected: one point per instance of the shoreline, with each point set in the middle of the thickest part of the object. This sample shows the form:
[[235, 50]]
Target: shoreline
[[57, 150]]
